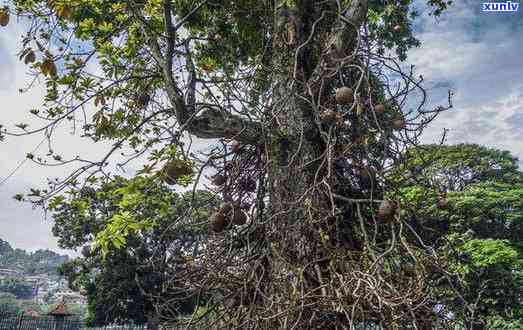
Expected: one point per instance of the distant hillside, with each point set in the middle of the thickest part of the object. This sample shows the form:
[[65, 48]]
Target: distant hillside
[[30, 263]]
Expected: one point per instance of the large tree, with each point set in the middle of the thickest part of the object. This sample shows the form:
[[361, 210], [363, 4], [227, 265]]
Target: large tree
[[314, 96]]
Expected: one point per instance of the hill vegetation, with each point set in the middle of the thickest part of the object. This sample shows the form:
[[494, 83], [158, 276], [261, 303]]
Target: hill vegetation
[[16, 265], [30, 263]]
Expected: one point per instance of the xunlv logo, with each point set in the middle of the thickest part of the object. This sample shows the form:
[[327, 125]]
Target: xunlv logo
[[500, 6]]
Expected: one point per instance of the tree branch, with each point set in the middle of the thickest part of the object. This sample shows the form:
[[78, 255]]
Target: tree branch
[[204, 121], [343, 40]]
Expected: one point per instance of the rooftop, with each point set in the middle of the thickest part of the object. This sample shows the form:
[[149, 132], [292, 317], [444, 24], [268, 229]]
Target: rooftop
[[59, 310]]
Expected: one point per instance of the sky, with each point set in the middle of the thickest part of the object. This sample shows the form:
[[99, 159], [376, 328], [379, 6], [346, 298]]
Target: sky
[[478, 55]]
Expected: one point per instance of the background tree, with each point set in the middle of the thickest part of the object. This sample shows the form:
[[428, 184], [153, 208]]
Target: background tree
[[468, 200], [126, 284], [305, 90]]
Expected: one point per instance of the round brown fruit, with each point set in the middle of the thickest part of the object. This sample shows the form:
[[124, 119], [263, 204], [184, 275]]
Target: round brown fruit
[[344, 95], [218, 222], [386, 210], [398, 124], [379, 109], [219, 179], [4, 17], [328, 116]]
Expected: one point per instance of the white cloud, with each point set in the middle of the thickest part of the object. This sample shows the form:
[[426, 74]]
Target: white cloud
[[479, 56], [22, 226]]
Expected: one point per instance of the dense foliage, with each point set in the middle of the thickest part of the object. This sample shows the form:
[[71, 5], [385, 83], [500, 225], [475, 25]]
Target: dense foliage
[[478, 226]]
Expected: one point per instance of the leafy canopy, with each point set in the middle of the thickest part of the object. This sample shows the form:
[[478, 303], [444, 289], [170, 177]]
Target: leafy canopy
[[480, 227]]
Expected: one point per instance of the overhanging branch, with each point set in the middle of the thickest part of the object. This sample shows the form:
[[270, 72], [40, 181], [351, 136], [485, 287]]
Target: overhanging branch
[[212, 121]]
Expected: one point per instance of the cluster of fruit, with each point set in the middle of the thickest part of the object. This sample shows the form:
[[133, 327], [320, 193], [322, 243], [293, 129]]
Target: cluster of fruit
[[236, 180], [222, 178], [227, 214], [388, 209], [345, 96]]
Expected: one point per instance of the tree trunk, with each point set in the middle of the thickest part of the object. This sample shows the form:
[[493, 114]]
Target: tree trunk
[[293, 149], [316, 267], [290, 153]]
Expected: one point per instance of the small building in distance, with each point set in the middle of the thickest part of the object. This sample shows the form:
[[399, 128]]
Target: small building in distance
[[59, 313]]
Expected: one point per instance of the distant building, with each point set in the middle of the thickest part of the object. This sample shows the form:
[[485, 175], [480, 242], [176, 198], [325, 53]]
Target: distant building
[[10, 272], [41, 296], [31, 313], [60, 310], [70, 297], [36, 279]]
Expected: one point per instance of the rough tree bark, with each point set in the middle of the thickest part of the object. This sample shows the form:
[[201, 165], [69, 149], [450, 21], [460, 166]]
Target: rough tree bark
[[295, 142]]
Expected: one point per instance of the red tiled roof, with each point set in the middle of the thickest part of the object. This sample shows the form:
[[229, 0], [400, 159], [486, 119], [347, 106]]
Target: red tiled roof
[[59, 310]]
